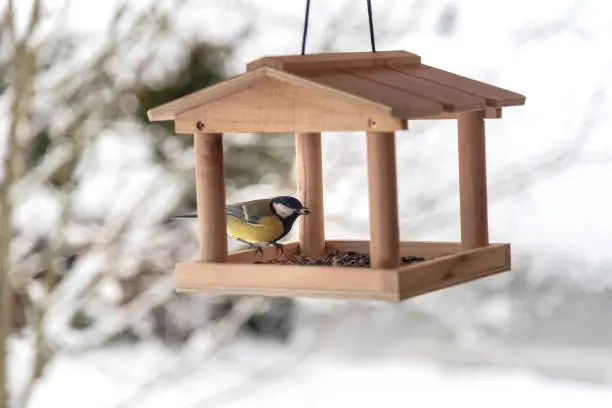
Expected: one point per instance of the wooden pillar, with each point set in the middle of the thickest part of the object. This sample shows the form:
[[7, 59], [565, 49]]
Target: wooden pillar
[[310, 192], [210, 189], [384, 219], [473, 180]]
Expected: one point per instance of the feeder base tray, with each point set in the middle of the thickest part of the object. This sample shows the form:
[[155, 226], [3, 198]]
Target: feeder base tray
[[443, 264]]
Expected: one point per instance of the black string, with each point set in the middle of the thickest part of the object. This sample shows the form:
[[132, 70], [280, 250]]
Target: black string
[[305, 26], [371, 26], [307, 15]]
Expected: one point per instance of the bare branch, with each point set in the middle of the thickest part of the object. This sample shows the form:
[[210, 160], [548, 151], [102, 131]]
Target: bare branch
[[43, 171], [6, 292], [213, 340], [32, 23], [21, 77], [275, 371], [10, 22]]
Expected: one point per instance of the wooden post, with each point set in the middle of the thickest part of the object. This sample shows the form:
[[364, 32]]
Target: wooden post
[[310, 192], [210, 190], [473, 180], [384, 219]]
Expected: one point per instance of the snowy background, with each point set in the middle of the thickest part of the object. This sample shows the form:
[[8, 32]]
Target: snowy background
[[540, 334]]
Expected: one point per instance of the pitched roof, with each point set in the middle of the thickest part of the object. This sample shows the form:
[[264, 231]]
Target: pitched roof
[[396, 81], [240, 82]]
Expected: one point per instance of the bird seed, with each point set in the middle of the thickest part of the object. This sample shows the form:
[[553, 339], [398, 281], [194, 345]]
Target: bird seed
[[338, 258]]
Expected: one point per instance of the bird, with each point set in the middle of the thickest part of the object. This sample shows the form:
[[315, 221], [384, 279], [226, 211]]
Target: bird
[[261, 222]]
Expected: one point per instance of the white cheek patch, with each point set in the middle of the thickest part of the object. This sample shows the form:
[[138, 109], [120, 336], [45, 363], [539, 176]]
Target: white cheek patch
[[282, 210]]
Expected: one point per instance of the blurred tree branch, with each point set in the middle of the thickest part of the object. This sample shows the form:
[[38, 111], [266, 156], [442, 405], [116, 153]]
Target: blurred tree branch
[[48, 139], [61, 271], [201, 347], [20, 76]]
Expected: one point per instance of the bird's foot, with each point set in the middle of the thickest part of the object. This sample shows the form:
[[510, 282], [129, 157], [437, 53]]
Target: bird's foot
[[279, 247], [257, 248]]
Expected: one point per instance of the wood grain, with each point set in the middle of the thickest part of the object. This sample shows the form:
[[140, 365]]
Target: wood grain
[[493, 95], [426, 249], [272, 105], [396, 90], [239, 83], [346, 282], [473, 180], [199, 276], [489, 113], [210, 190], [402, 103], [451, 270], [269, 254], [309, 164], [335, 60], [382, 191], [451, 99]]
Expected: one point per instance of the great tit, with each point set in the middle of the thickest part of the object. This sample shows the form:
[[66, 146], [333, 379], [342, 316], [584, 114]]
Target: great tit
[[262, 222]]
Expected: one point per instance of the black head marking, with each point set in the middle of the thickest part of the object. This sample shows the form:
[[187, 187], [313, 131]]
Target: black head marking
[[288, 220], [288, 201]]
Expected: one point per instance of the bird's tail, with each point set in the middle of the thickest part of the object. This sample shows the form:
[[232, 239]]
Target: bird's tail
[[176, 217]]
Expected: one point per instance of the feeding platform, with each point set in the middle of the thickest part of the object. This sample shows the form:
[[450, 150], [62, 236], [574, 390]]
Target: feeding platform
[[377, 93]]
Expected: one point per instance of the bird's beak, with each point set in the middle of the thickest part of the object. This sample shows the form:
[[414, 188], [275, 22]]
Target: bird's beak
[[303, 211]]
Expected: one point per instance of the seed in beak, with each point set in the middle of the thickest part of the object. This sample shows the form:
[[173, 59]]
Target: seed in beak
[[304, 211]]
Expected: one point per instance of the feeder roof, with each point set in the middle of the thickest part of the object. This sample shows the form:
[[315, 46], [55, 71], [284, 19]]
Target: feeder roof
[[394, 86]]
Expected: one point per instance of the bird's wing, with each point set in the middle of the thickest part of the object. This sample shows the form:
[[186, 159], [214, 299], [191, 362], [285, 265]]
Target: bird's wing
[[268, 229], [250, 211]]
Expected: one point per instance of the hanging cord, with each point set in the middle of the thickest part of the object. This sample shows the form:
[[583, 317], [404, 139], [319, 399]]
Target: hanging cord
[[307, 15], [371, 26], [305, 33]]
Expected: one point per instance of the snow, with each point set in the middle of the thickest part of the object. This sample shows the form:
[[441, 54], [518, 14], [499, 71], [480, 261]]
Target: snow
[[239, 378]]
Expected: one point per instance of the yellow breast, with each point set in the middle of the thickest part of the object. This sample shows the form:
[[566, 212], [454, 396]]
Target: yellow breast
[[268, 229]]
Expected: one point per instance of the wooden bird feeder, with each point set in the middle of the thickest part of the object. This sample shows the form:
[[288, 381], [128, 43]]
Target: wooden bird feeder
[[377, 93]]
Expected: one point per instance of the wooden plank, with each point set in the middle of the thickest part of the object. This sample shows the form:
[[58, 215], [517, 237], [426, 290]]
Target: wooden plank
[[309, 165], [278, 106], [446, 271], [344, 282], [169, 110], [489, 113], [335, 60], [210, 190], [426, 250], [473, 180], [382, 192], [269, 253], [493, 95], [260, 278], [451, 99], [402, 104]]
